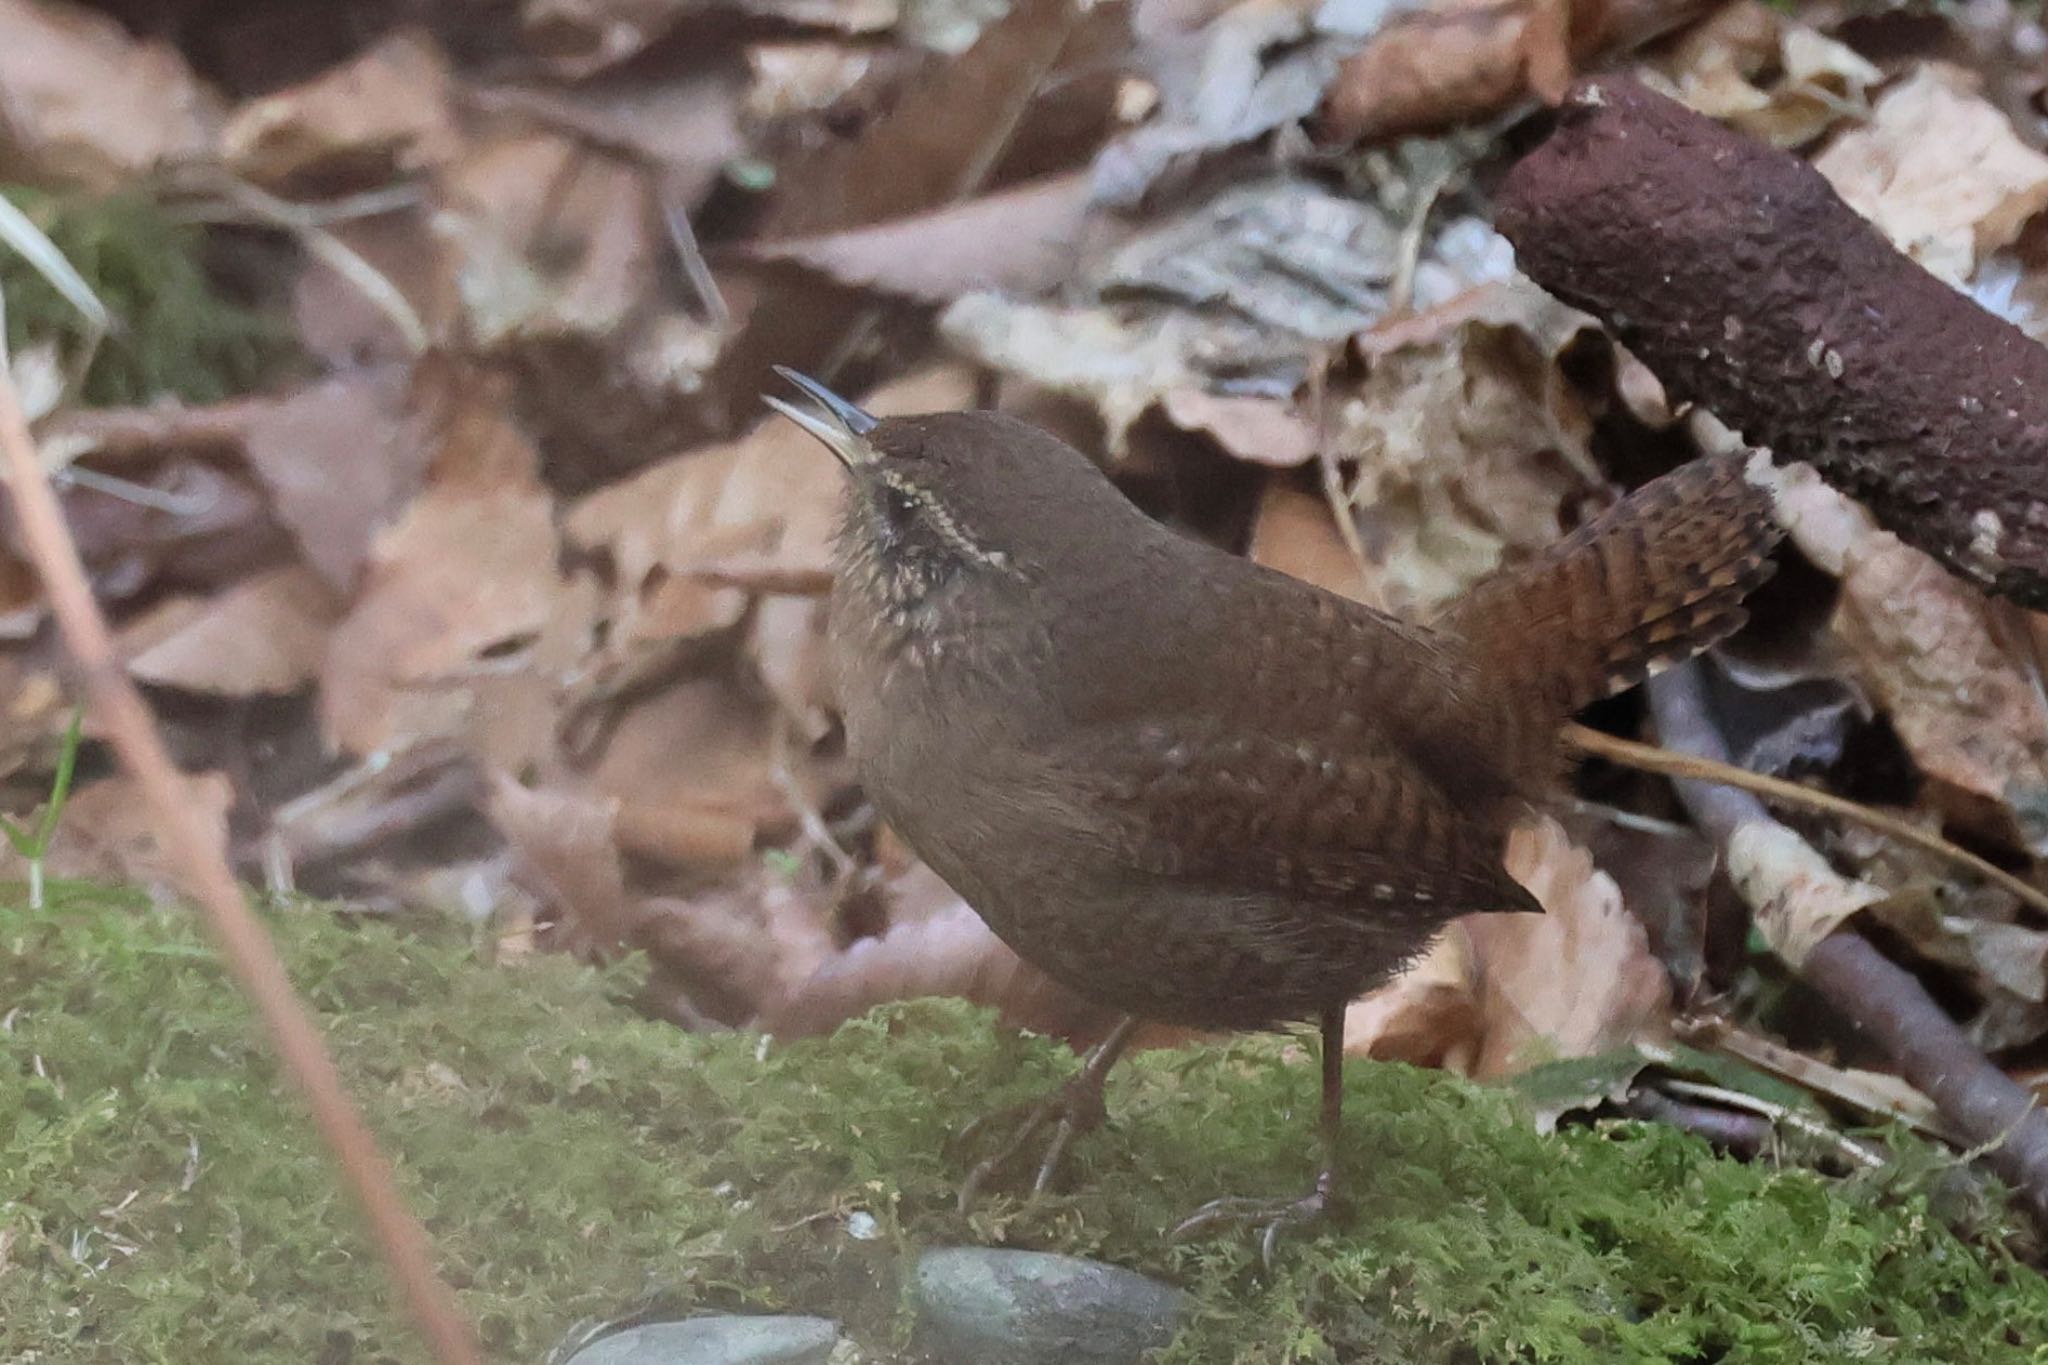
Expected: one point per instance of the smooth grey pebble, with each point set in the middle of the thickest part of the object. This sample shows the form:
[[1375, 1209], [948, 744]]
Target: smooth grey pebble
[[980, 1306], [720, 1340]]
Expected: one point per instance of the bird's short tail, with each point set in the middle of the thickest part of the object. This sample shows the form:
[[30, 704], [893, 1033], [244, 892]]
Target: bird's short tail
[[1652, 581]]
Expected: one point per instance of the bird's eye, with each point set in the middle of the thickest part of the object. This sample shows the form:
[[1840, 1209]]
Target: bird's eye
[[899, 508]]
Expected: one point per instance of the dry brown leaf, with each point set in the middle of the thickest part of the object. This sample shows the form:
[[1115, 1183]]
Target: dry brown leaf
[[693, 770], [1467, 442], [951, 953], [206, 526], [341, 457], [1809, 81], [82, 102], [345, 328], [558, 239], [563, 853], [937, 143], [1296, 533], [735, 952], [108, 835], [1961, 692], [769, 501], [1457, 61], [788, 80], [266, 636], [1940, 171], [383, 114], [461, 587], [1118, 362], [1022, 240], [1499, 994], [579, 37]]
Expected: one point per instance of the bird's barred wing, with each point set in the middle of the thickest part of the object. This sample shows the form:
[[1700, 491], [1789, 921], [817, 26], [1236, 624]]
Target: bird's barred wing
[[1360, 830]]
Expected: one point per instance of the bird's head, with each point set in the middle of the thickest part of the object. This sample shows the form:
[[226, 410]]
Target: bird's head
[[944, 500]]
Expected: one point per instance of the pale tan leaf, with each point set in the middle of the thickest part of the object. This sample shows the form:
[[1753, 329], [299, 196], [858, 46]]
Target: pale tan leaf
[[1022, 240], [1499, 994], [84, 103], [1798, 899], [265, 636], [385, 113], [1940, 171]]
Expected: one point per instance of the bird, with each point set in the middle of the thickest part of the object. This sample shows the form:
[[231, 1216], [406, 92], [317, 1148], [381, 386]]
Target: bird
[[1194, 789]]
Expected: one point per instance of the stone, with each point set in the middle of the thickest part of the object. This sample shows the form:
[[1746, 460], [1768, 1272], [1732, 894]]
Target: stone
[[717, 1340], [978, 1306]]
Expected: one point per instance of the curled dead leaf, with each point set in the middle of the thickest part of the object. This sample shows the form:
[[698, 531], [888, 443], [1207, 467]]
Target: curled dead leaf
[[1499, 994], [1798, 899]]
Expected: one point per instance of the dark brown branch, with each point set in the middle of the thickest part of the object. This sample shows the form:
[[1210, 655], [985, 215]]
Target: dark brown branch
[[1982, 1104], [1740, 277]]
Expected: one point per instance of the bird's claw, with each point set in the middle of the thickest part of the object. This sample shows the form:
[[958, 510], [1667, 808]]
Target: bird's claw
[[1269, 1215], [1073, 1109]]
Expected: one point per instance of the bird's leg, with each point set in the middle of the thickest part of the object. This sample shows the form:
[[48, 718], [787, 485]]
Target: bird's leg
[[1073, 1109], [1275, 1214]]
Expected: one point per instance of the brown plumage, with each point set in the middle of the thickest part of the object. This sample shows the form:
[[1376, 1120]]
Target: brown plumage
[[1191, 787]]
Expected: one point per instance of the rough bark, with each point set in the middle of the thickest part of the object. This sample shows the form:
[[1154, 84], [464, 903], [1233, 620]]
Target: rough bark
[[1738, 275]]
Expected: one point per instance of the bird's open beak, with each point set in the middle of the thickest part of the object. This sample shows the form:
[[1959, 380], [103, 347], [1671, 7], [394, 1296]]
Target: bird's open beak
[[839, 424]]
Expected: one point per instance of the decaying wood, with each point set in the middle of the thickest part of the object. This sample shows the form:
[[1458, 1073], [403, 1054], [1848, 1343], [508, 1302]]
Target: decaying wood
[[1738, 275]]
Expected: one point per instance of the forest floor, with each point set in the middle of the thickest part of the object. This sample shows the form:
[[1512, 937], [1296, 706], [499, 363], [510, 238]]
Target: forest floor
[[575, 1160]]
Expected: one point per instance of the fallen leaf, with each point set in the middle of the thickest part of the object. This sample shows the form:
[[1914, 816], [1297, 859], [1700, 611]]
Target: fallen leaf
[[1022, 240], [1928, 650], [693, 770], [109, 835], [265, 636], [460, 587], [1296, 533], [384, 114], [1465, 442], [564, 854], [1940, 171], [1797, 899], [1440, 64], [935, 145], [769, 501], [1767, 74], [1263, 430], [341, 457], [1246, 70], [736, 952], [951, 953], [580, 37], [1499, 994], [84, 103]]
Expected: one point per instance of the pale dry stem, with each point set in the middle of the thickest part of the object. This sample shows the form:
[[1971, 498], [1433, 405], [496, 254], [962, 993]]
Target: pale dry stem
[[203, 867]]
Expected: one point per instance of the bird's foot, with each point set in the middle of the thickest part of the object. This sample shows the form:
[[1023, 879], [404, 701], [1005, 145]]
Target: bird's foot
[[1075, 1108], [1271, 1216]]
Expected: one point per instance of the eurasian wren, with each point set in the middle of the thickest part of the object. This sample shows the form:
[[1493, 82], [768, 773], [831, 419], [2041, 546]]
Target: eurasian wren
[[1195, 789]]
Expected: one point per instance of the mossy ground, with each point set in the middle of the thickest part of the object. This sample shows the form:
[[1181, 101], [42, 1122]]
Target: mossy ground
[[161, 1200]]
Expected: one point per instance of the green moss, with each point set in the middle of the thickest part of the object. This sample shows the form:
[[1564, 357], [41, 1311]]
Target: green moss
[[174, 333], [160, 1199]]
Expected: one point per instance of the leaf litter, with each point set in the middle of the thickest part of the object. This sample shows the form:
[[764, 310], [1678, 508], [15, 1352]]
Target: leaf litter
[[510, 551]]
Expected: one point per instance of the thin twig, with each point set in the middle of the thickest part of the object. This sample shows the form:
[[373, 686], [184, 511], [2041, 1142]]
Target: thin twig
[[1882, 999], [204, 870], [1669, 763], [1778, 1114]]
